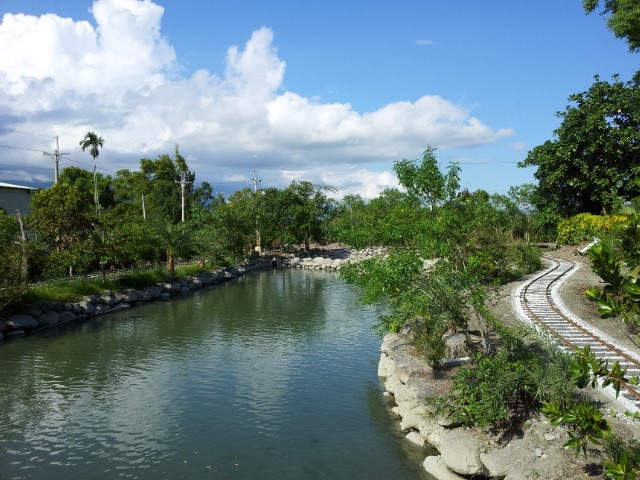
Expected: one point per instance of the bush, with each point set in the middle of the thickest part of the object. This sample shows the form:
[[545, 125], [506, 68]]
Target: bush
[[584, 226], [524, 258], [489, 393]]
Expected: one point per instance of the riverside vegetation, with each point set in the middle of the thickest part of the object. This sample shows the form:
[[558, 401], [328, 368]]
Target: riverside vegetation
[[446, 249]]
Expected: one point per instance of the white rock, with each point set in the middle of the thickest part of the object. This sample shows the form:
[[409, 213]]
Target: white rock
[[461, 452], [415, 438], [435, 467]]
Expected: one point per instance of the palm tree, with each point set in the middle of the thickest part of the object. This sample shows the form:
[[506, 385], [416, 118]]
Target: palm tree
[[92, 142]]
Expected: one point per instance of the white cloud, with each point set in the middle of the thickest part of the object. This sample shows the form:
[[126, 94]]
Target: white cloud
[[518, 146], [119, 79], [424, 42]]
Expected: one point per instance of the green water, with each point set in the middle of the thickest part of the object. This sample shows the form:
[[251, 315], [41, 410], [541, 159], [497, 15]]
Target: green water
[[270, 376]]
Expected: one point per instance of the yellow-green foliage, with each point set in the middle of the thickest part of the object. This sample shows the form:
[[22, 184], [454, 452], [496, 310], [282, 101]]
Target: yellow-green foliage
[[585, 226]]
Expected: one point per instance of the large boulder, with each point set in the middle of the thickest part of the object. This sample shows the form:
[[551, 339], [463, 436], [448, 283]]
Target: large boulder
[[435, 467], [67, 316], [101, 308], [130, 296], [455, 345], [108, 299], [34, 310], [20, 321], [153, 291], [3, 326], [461, 452], [48, 318], [86, 307], [48, 305]]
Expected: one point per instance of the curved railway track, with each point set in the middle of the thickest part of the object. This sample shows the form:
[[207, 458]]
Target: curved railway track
[[538, 303]]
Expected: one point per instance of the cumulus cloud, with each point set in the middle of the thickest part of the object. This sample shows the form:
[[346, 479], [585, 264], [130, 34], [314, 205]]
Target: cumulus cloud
[[120, 79]]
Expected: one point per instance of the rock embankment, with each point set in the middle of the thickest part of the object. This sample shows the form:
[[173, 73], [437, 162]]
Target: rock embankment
[[48, 313], [331, 259], [463, 453]]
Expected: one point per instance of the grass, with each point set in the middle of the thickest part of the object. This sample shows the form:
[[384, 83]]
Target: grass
[[71, 291], [75, 290]]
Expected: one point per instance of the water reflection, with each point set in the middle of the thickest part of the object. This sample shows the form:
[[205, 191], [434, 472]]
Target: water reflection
[[271, 376]]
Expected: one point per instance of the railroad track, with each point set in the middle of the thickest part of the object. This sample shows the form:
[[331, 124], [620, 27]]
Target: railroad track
[[538, 303]]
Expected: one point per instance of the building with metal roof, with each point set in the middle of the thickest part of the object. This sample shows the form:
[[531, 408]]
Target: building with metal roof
[[15, 197]]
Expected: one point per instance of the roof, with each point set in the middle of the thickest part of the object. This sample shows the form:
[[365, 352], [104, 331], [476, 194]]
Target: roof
[[9, 185]]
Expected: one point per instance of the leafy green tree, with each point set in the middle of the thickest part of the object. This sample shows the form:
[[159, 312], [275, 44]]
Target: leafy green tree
[[425, 181], [623, 21], [588, 167], [82, 179], [157, 181], [93, 142], [61, 215], [11, 272], [308, 209]]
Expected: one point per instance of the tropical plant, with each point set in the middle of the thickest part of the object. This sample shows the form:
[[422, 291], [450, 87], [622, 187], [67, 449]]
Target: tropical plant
[[618, 264], [93, 142]]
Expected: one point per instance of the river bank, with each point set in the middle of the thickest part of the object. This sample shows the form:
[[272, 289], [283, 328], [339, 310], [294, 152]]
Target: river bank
[[33, 318], [461, 453], [535, 449], [46, 314]]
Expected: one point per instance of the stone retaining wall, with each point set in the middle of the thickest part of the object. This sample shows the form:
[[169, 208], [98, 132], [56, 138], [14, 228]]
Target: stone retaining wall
[[331, 259], [47, 313], [463, 453]]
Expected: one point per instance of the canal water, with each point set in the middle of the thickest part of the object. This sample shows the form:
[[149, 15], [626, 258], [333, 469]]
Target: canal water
[[270, 376]]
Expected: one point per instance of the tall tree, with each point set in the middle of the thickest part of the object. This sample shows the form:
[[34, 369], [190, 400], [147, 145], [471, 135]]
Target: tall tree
[[425, 181], [623, 19], [596, 152], [83, 180], [308, 208], [93, 142], [158, 181], [60, 215]]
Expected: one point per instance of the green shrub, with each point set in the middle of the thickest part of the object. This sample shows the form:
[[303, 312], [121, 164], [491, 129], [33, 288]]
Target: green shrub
[[500, 390], [524, 259], [585, 226], [486, 394]]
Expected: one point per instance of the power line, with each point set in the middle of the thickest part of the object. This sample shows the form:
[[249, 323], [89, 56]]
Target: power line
[[20, 148], [13, 170], [24, 133], [230, 183], [7, 166], [487, 163]]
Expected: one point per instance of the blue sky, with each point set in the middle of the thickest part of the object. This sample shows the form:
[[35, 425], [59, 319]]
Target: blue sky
[[331, 92]]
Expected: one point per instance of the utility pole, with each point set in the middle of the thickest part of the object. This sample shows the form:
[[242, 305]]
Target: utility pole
[[255, 182], [183, 183], [56, 158]]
